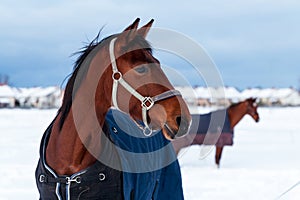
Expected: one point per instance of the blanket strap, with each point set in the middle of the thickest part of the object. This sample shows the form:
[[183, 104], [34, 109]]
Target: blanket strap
[[43, 178], [63, 180]]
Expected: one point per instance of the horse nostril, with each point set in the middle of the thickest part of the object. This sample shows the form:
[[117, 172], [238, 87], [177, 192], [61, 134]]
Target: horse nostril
[[178, 120], [183, 125]]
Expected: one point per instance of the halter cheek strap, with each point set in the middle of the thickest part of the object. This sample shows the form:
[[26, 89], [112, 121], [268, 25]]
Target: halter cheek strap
[[146, 102]]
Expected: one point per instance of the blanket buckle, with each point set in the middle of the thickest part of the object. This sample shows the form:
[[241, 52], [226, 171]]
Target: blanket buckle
[[69, 180]]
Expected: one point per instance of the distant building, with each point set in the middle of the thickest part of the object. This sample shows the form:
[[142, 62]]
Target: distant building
[[7, 96], [38, 97]]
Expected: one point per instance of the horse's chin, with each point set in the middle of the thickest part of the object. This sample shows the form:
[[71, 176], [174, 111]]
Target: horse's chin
[[170, 129], [168, 132]]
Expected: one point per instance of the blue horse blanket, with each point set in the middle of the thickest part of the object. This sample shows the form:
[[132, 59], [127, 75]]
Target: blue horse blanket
[[149, 164], [212, 128]]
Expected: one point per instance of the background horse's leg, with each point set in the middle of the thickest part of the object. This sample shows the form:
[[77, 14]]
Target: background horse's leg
[[218, 155]]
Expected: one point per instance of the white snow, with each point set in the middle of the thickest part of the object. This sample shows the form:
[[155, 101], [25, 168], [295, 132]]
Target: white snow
[[263, 163], [6, 91], [20, 132]]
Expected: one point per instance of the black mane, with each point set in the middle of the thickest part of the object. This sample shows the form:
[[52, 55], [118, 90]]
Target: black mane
[[236, 104], [84, 52]]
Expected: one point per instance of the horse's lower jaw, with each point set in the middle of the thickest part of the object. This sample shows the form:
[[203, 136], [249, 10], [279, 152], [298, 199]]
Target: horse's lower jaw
[[168, 132], [172, 134]]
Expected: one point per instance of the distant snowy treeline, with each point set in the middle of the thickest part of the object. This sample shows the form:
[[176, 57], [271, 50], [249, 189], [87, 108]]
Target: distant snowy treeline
[[51, 97], [224, 96]]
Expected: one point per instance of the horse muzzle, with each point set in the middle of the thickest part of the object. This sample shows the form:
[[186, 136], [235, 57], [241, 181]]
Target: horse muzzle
[[182, 128]]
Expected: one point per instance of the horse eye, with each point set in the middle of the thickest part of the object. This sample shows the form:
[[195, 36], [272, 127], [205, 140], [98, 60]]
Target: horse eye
[[141, 70]]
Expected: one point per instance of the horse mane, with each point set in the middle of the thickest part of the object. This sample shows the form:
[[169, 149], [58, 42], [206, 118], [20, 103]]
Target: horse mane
[[234, 105], [68, 95], [238, 103], [83, 53]]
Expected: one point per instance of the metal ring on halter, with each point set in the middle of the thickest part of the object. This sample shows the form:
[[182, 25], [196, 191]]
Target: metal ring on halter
[[116, 74], [147, 131]]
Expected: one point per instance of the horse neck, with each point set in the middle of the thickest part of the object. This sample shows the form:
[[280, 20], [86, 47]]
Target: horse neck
[[236, 113], [66, 153]]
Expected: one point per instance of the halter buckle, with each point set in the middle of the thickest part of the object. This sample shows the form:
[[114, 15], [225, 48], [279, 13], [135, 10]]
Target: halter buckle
[[147, 103]]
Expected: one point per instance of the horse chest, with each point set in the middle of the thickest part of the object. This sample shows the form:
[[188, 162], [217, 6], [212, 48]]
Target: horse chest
[[96, 182]]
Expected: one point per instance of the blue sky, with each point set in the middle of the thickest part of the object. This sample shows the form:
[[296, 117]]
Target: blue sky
[[253, 43]]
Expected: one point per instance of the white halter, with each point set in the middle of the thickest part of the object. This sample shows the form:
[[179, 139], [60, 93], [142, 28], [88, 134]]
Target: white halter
[[146, 102]]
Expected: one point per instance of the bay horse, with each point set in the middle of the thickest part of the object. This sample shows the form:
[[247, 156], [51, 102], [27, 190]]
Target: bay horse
[[220, 137], [120, 71]]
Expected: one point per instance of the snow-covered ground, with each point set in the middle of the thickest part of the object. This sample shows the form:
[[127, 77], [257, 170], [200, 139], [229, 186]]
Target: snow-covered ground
[[263, 163]]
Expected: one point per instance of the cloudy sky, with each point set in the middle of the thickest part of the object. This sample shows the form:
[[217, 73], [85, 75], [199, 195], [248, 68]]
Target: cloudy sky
[[253, 43]]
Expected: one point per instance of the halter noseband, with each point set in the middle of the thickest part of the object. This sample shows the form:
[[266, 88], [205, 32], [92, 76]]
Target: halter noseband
[[146, 102]]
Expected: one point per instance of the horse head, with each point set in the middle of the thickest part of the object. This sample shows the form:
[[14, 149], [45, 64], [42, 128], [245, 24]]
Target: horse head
[[134, 83], [252, 109]]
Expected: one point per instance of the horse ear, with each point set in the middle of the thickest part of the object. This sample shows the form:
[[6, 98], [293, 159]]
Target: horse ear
[[250, 99], [133, 26], [255, 101], [128, 34], [143, 31]]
